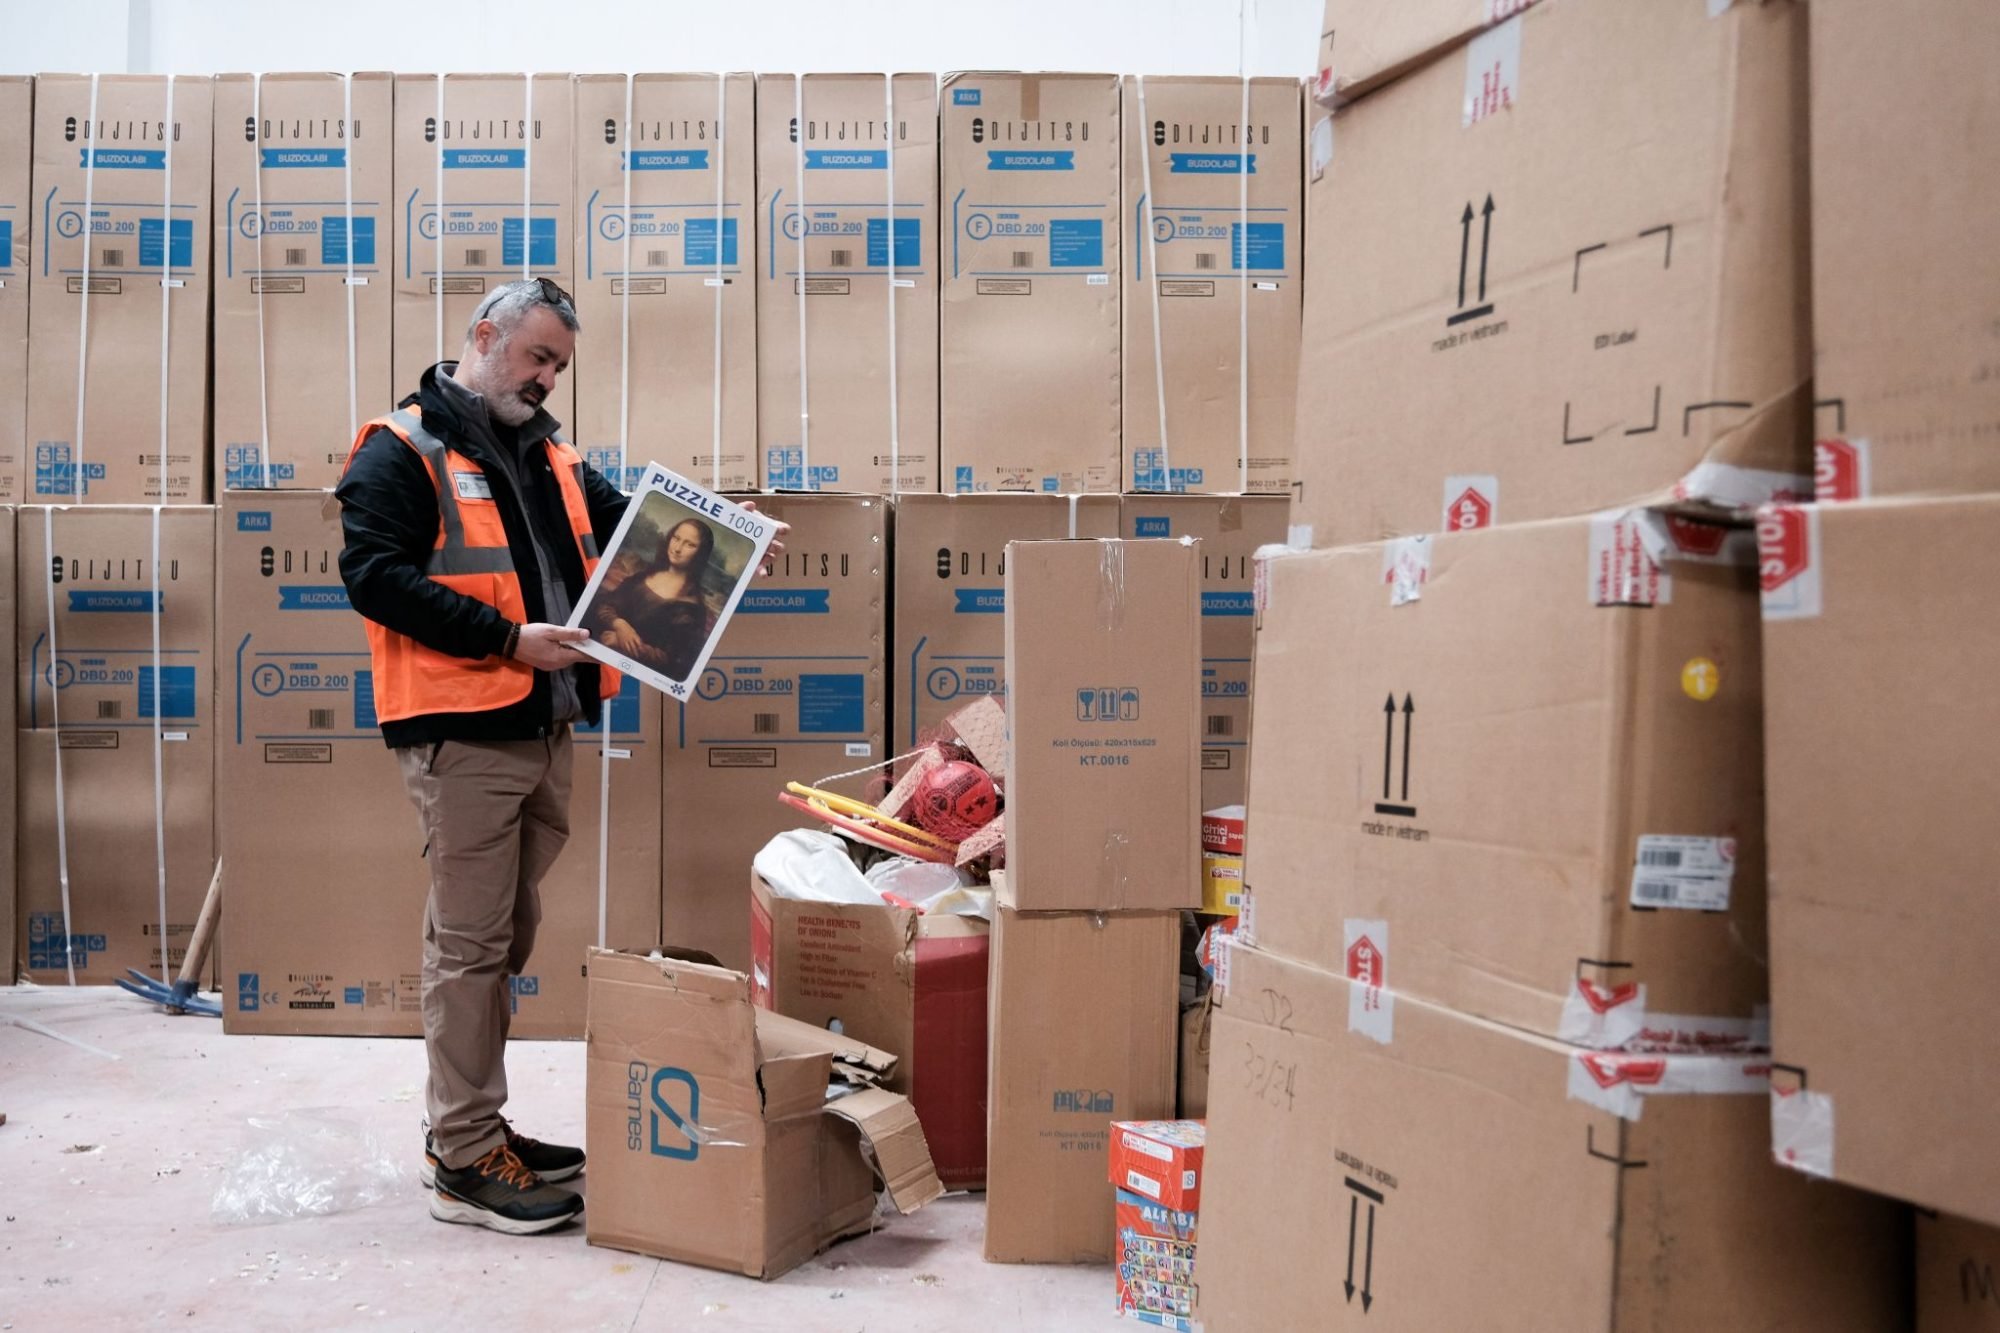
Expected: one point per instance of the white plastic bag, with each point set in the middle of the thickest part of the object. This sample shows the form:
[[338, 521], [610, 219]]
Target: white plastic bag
[[814, 867], [308, 1163]]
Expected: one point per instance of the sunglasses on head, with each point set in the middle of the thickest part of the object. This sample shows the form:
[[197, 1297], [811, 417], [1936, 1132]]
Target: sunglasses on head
[[550, 293]]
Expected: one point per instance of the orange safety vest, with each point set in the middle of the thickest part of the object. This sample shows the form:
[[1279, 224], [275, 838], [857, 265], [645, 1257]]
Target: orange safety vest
[[470, 556]]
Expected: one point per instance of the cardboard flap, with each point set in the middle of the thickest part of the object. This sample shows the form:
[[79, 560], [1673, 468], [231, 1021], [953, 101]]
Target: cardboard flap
[[894, 1143], [699, 978], [982, 726], [793, 1084], [855, 1061]]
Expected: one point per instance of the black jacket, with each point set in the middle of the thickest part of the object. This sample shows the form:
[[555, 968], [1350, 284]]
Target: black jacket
[[389, 513]]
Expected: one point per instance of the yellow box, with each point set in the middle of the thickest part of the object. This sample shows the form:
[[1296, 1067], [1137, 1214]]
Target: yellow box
[[1221, 884]]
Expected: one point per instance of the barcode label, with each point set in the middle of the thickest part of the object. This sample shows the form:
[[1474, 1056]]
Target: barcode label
[[656, 259], [1221, 725], [1204, 259], [475, 258], [1682, 871], [319, 719], [295, 258], [764, 724], [1024, 259], [842, 259], [114, 259], [1656, 891], [1660, 857], [110, 709]]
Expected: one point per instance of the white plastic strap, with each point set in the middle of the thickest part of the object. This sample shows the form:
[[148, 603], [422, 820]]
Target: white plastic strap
[[799, 173], [889, 162], [167, 295], [1153, 268], [437, 282], [1073, 498], [528, 175], [625, 321], [159, 765], [257, 279], [721, 175], [77, 488], [353, 372], [55, 695], [1243, 232]]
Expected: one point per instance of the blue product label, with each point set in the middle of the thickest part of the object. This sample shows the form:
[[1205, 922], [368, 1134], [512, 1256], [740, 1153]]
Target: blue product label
[[333, 240], [961, 478], [176, 692], [6, 243], [1266, 243], [1015, 159], [541, 242], [667, 159], [245, 470], [1153, 527], [1210, 164], [254, 520], [1076, 243], [847, 159], [111, 599], [786, 601], [1049, 484], [152, 250], [1228, 604], [909, 242], [351, 995], [831, 704], [123, 159], [364, 701], [326, 597], [1107, 703], [965, 97], [55, 474], [487, 159], [249, 990], [979, 601], [699, 237], [275, 158]]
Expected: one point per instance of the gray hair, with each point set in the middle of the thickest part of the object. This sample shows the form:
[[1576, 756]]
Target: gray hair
[[506, 304]]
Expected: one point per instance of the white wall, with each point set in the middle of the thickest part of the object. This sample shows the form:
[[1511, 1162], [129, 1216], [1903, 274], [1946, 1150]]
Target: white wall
[[210, 36]]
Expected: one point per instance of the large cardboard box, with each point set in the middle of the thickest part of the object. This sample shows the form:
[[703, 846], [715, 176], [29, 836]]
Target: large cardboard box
[[1219, 280], [1593, 295], [144, 379], [950, 640], [1575, 844], [9, 916], [500, 148], [1084, 1030], [1903, 297], [322, 927], [1230, 530], [303, 225], [865, 417], [1366, 43], [1958, 1276], [668, 359], [913, 984], [1103, 712], [1028, 336], [88, 706], [1878, 985], [17, 99], [1465, 1175], [716, 1139], [794, 692]]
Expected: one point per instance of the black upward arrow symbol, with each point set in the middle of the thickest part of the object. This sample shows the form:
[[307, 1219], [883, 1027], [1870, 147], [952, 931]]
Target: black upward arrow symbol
[[1485, 235], [1389, 744], [1465, 248], [1353, 1215], [1409, 724]]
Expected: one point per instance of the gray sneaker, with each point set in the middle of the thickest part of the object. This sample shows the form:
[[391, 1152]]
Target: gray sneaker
[[497, 1191]]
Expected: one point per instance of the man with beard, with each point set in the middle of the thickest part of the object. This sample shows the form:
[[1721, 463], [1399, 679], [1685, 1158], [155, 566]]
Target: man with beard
[[471, 529]]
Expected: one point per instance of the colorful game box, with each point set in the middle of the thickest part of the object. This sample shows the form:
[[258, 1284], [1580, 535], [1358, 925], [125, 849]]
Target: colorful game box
[[1155, 1262], [1159, 1160]]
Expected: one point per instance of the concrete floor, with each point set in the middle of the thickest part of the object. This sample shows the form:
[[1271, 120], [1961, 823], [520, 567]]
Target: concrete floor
[[109, 1171]]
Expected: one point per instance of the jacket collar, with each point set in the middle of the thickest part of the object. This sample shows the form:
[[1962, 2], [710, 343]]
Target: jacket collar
[[445, 405]]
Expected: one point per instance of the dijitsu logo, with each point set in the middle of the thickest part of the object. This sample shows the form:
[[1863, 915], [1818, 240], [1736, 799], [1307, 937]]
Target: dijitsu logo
[[1083, 1099]]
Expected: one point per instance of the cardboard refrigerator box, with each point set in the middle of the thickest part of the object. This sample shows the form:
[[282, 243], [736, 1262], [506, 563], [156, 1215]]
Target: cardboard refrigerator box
[[17, 98], [843, 268], [685, 393], [913, 984], [794, 692], [1217, 259], [1028, 335], [725, 1145], [9, 915], [1083, 1032], [1903, 298], [1593, 296], [501, 148], [1103, 707], [150, 135], [1570, 841], [322, 929], [1230, 530], [89, 708], [1460, 1174], [1366, 43], [302, 164], [951, 562], [1887, 1067], [1958, 1276]]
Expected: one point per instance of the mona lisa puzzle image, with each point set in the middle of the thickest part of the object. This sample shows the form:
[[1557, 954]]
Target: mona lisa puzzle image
[[658, 601]]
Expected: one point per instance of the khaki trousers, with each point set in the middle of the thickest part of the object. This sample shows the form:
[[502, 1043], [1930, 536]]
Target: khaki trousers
[[494, 815]]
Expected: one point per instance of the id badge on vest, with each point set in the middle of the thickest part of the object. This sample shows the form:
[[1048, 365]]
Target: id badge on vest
[[472, 485]]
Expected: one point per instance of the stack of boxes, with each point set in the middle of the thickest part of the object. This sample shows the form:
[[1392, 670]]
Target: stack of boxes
[[1500, 988]]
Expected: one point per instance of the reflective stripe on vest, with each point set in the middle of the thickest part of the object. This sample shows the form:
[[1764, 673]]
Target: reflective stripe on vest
[[470, 556]]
